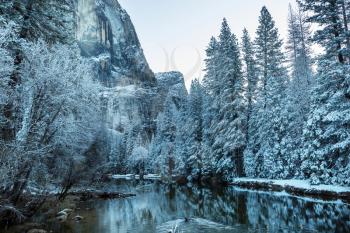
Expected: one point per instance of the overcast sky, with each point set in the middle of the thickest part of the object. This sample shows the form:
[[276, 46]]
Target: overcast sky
[[175, 33]]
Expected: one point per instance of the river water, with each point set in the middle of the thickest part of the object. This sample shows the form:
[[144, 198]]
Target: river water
[[163, 208]]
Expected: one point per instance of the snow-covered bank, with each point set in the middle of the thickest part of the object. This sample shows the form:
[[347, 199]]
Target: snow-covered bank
[[295, 187], [136, 177]]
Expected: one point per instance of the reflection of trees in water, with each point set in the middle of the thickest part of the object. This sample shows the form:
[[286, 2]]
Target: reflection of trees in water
[[266, 211], [159, 204], [276, 212], [224, 208]]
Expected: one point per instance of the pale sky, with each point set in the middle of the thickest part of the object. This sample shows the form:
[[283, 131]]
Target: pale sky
[[175, 33]]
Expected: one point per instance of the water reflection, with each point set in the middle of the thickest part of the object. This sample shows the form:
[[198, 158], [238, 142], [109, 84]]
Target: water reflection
[[160, 208]]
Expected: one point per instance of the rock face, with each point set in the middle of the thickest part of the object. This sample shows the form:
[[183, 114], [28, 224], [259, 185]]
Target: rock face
[[170, 84], [106, 33], [132, 96]]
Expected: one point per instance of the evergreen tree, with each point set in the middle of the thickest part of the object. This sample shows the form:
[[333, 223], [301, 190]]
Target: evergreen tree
[[250, 70], [211, 79], [163, 146], [345, 11], [332, 17], [208, 135], [297, 104], [168, 145], [211, 85], [251, 79], [195, 130], [229, 129], [268, 52], [327, 141], [272, 85], [182, 139]]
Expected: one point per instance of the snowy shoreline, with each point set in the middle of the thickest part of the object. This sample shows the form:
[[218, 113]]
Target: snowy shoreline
[[295, 187], [135, 177], [298, 188]]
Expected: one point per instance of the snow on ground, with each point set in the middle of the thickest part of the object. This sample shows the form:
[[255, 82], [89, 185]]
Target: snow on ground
[[132, 176], [302, 184], [50, 189], [285, 194]]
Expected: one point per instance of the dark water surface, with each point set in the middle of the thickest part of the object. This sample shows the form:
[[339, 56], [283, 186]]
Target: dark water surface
[[163, 208]]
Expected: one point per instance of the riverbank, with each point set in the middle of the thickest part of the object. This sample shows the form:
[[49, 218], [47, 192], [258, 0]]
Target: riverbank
[[20, 217], [301, 188], [296, 188]]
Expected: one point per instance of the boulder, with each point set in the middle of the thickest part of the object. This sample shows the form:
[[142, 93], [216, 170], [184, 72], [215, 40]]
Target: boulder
[[62, 218], [78, 218], [65, 212]]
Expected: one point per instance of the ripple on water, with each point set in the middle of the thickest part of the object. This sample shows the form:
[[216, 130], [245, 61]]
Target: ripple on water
[[200, 225], [196, 225]]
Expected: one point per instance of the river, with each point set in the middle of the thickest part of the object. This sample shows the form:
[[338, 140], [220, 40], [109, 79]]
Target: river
[[166, 208]]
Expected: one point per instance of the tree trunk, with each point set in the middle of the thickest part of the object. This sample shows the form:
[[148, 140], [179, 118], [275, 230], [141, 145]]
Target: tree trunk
[[20, 183], [337, 31]]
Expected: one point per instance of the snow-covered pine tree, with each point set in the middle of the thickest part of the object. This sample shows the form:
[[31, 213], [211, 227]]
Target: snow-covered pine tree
[[163, 143], [211, 79], [211, 89], [327, 147], [195, 130], [327, 139], [299, 47], [182, 142], [272, 88], [297, 104], [251, 79], [230, 128], [250, 72], [167, 147], [208, 136], [332, 17], [345, 11]]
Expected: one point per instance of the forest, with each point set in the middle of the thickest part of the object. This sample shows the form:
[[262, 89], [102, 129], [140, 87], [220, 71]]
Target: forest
[[265, 108]]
